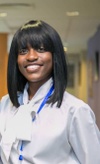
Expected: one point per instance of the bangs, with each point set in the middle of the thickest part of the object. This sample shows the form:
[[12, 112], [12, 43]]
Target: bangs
[[35, 39]]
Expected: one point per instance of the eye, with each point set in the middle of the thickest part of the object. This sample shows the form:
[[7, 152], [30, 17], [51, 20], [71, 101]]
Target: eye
[[41, 49], [23, 51]]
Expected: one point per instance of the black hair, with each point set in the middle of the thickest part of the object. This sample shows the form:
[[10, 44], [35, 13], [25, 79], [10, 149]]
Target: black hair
[[37, 33]]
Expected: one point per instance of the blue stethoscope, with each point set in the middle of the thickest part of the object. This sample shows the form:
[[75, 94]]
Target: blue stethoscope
[[40, 108]]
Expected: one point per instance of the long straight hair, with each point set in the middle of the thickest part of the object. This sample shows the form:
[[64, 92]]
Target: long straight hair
[[36, 33]]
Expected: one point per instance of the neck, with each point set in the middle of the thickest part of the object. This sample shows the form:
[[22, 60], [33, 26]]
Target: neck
[[34, 86]]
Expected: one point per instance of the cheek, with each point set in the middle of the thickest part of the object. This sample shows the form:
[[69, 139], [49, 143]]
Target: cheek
[[48, 58], [20, 63], [49, 65], [18, 60]]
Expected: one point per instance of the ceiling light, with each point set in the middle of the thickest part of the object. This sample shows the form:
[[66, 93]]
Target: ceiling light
[[3, 14], [65, 49], [72, 13]]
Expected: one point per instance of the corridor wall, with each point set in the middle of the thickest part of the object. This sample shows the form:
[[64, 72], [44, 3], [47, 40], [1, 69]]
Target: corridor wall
[[3, 64], [93, 67]]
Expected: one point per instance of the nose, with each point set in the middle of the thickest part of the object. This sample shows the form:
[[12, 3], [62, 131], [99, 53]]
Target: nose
[[32, 55]]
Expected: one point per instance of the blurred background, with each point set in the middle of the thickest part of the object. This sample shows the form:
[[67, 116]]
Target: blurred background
[[78, 24]]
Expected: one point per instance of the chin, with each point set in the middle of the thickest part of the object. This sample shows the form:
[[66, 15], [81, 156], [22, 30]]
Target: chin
[[39, 80]]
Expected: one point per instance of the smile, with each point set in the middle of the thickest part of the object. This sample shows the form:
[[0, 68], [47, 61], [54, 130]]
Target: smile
[[31, 68]]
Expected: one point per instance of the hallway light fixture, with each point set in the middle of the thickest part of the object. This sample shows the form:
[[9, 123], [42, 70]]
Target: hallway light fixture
[[72, 13], [3, 14], [65, 49], [14, 4]]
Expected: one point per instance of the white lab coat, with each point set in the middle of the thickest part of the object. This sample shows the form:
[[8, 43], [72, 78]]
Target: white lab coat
[[65, 135]]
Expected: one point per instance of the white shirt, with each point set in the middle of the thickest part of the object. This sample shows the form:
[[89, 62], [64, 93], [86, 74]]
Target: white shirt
[[65, 135]]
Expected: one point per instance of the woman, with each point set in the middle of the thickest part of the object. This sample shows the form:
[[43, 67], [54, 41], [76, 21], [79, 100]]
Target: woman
[[40, 123]]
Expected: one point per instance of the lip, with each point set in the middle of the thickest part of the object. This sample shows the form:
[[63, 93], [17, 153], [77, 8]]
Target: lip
[[32, 67]]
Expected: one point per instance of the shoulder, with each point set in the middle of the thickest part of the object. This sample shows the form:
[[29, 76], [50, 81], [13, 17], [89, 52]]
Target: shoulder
[[80, 114], [72, 101], [75, 106], [5, 99], [5, 104]]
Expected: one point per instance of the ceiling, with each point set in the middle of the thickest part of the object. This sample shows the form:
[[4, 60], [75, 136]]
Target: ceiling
[[74, 30]]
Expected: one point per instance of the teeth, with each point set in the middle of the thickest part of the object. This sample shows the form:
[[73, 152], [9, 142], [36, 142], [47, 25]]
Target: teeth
[[32, 66]]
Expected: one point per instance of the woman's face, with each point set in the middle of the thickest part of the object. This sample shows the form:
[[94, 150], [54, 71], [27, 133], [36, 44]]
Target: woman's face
[[35, 65]]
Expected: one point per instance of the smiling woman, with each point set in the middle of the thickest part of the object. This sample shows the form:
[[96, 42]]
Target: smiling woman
[[40, 122]]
